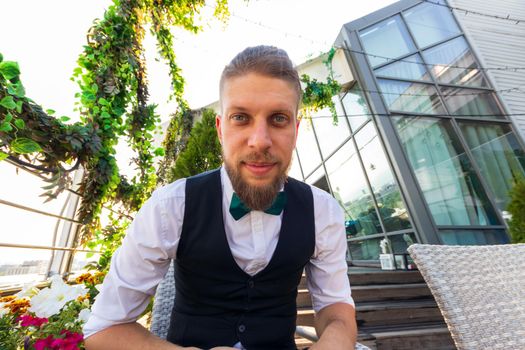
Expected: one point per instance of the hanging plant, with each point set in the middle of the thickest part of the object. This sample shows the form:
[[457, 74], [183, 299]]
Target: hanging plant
[[112, 103], [318, 95]]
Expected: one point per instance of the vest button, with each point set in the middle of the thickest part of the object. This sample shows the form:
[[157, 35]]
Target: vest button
[[242, 328], [251, 284]]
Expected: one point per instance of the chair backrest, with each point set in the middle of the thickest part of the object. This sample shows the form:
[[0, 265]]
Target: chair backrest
[[163, 304], [480, 291]]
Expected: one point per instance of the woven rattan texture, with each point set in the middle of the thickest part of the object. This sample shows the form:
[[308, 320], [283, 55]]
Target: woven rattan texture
[[480, 291], [164, 299]]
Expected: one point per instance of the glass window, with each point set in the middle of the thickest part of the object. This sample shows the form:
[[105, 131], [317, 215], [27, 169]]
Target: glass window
[[473, 237], [388, 38], [411, 97], [444, 173], [356, 107], [351, 191], [430, 23], [330, 136], [411, 68], [471, 103], [81, 259], [295, 168], [307, 147], [454, 53], [369, 249], [25, 188], [315, 176], [498, 155], [388, 198], [19, 266]]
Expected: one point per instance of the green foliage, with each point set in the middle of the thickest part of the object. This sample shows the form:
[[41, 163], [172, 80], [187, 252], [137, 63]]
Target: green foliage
[[112, 103], [203, 151], [175, 141], [107, 240], [318, 95], [516, 208]]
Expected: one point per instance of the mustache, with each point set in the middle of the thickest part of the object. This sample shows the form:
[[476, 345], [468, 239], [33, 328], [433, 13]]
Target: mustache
[[265, 156]]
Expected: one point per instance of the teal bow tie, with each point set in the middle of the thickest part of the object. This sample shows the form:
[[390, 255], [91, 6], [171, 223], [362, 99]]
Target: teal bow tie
[[238, 209]]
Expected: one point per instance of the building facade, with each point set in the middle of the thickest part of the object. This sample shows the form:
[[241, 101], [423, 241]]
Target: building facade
[[428, 142]]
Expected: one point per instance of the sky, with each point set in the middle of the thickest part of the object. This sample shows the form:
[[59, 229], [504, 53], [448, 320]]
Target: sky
[[46, 37]]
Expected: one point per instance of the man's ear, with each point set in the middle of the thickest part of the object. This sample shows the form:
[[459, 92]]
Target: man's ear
[[218, 126]]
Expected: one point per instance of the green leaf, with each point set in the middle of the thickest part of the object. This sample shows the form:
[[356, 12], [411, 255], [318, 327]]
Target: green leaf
[[6, 127], [8, 102], [50, 111], [64, 118], [8, 117], [1, 57], [9, 69], [16, 89], [159, 152], [19, 105], [23, 145], [19, 89], [2, 154], [20, 123]]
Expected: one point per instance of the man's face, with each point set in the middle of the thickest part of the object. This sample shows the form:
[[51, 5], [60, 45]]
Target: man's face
[[257, 130]]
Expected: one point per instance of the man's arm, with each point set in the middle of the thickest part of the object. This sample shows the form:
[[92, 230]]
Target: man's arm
[[336, 327], [128, 336], [327, 278]]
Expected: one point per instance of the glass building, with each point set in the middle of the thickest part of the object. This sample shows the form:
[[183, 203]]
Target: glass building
[[424, 150]]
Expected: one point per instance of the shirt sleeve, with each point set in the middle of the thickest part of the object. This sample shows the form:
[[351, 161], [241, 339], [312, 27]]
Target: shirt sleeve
[[327, 271], [138, 266]]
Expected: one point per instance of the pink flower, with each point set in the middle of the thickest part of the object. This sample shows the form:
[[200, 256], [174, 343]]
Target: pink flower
[[42, 344], [28, 320], [69, 342]]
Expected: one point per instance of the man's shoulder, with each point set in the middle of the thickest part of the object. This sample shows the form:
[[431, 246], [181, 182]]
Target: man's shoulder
[[316, 191], [172, 190], [177, 188], [321, 197]]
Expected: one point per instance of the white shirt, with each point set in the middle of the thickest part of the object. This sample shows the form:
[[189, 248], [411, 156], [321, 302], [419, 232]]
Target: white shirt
[[142, 261]]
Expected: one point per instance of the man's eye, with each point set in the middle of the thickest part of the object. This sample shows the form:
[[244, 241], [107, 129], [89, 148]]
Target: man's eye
[[280, 118], [239, 117]]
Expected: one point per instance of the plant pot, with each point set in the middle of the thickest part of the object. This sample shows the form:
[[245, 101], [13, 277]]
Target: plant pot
[[387, 261]]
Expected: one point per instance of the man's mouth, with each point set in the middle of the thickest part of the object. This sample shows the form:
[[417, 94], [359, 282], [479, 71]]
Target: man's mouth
[[259, 168]]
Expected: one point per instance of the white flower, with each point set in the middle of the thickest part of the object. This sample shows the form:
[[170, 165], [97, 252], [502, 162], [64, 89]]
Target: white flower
[[83, 315], [3, 310], [49, 301], [28, 291]]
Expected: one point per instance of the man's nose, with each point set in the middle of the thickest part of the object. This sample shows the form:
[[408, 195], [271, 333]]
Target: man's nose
[[260, 137]]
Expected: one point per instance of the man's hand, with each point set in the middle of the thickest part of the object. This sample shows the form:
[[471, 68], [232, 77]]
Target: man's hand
[[336, 327], [129, 336]]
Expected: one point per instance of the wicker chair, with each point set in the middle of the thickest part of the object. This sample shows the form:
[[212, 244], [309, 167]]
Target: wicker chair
[[480, 291], [164, 298]]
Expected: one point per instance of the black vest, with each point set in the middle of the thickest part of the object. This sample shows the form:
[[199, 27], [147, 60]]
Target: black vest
[[216, 302]]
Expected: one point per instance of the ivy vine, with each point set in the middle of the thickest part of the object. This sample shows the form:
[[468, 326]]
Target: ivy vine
[[112, 103], [318, 95]]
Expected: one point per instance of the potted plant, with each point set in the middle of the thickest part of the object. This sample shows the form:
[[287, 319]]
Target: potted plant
[[387, 256]]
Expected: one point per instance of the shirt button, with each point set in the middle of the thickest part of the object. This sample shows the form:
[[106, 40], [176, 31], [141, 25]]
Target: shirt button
[[242, 328], [251, 284]]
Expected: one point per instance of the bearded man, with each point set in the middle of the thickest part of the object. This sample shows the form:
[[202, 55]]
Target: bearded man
[[240, 236]]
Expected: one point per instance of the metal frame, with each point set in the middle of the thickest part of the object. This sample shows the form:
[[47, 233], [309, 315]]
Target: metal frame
[[63, 250], [422, 218]]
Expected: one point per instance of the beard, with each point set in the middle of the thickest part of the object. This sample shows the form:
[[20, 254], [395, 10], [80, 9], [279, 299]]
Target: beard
[[256, 197]]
